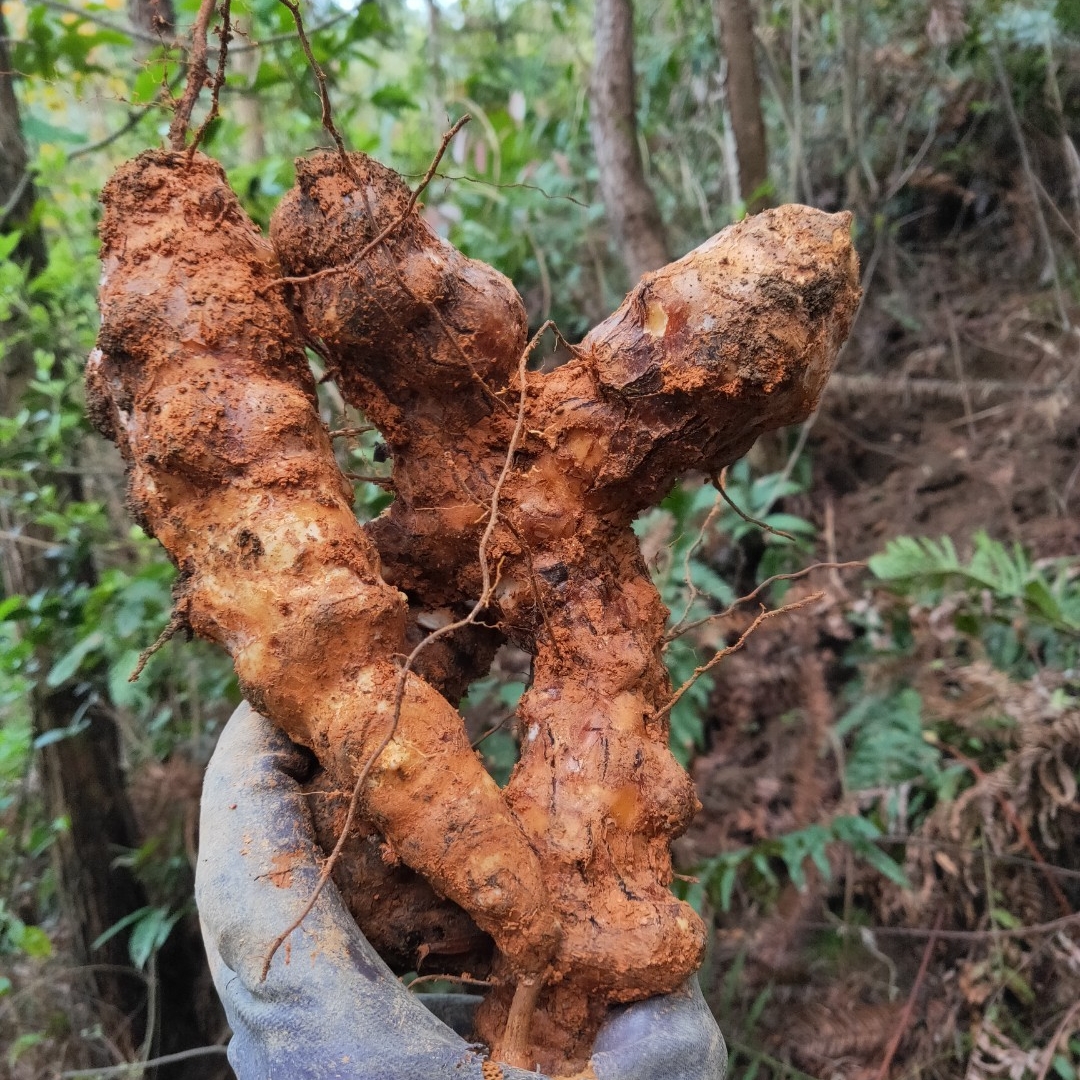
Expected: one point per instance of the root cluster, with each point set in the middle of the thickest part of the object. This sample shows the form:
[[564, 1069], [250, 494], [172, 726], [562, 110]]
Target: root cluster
[[515, 494]]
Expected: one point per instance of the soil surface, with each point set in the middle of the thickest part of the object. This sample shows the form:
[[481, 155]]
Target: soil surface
[[953, 409]]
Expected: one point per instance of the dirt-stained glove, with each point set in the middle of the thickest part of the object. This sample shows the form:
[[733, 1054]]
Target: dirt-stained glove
[[330, 1007]]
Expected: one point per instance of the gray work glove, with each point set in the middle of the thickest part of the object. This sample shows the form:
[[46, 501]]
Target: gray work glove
[[329, 1006]]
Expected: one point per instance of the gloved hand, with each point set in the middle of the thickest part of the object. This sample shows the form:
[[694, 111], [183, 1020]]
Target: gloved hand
[[329, 1006]]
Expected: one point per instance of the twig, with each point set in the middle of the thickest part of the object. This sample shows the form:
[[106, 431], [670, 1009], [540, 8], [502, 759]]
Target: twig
[[137, 1067], [763, 616], [365, 478], [278, 39], [486, 592], [491, 731], [225, 32], [730, 610], [692, 589], [135, 34], [177, 622], [327, 117], [1029, 173], [491, 184], [135, 117], [20, 189], [958, 364], [350, 432], [1035, 930], [718, 482], [1051, 1046], [198, 73], [932, 389], [132, 32], [394, 225], [449, 978], [909, 1005], [30, 541], [1021, 829]]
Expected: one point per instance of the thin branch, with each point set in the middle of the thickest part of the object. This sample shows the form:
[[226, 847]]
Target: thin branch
[[225, 33], [1029, 173], [718, 482], [486, 592], [449, 978], [450, 177], [735, 604], [327, 118], [107, 24], [491, 731], [367, 478], [198, 73], [177, 622], [279, 39], [958, 366], [763, 616], [692, 589], [909, 1005], [1035, 930], [1051, 1046], [135, 34], [134, 1068], [30, 541], [350, 432], [133, 119], [20, 189]]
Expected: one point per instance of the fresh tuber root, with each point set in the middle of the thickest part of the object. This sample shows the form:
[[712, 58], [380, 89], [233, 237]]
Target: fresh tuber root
[[735, 339], [199, 380]]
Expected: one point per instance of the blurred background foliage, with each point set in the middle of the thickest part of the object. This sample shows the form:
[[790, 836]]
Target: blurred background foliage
[[900, 756]]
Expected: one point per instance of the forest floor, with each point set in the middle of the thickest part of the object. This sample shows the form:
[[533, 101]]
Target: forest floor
[[954, 409]]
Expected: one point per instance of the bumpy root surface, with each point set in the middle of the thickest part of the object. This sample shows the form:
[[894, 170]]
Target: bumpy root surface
[[199, 379], [735, 339]]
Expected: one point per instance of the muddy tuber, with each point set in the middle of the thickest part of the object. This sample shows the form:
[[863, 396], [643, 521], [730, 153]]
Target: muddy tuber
[[199, 378], [735, 339]]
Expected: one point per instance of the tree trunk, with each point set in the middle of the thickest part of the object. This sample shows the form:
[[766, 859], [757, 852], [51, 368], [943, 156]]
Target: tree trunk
[[628, 199], [248, 105], [17, 195], [735, 36]]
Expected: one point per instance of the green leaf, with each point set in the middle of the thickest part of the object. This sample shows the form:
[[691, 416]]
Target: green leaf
[[393, 98], [1067, 14], [41, 131], [5, 985], [23, 1043], [118, 926], [35, 942], [1063, 1067], [72, 660], [55, 735], [8, 243], [150, 933]]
